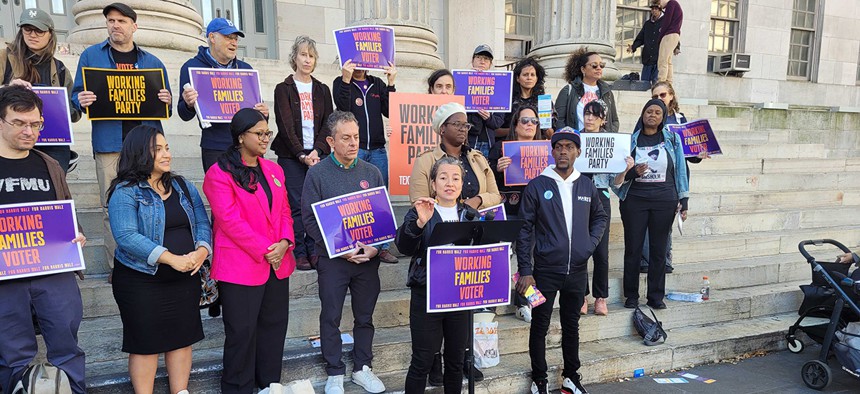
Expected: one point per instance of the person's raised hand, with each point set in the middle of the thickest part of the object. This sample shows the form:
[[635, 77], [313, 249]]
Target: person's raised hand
[[390, 72], [424, 206], [347, 70], [504, 162], [263, 108]]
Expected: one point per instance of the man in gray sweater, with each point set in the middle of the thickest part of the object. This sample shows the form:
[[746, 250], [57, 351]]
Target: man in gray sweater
[[341, 173]]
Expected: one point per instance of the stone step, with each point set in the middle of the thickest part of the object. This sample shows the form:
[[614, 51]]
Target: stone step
[[598, 335], [769, 182], [787, 150]]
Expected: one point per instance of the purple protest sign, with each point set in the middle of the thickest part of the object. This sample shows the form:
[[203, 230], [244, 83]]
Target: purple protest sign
[[364, 216], [528, 160], [484, 90], [497, 210], [468, 277], [369, 47], [55, 111], [36, 239], [696, 137], [223, 92]]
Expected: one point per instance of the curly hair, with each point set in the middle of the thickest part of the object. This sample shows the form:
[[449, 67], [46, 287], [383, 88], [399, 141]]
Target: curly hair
[[575, 62], [539, 71], [673, 107]]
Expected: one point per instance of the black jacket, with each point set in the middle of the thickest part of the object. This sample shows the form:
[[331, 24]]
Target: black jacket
[[373, 106], [481, 126], [567, 102], [543, 244], [649, 39], [413, 241], [288, 116]]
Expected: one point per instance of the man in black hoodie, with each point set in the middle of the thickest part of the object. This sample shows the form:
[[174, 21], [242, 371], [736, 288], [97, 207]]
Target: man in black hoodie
[[366, 97], [223, 38], [564, 222]]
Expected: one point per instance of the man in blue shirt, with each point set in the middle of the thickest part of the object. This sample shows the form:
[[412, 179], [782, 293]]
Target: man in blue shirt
[[223, 38], [119, 52]]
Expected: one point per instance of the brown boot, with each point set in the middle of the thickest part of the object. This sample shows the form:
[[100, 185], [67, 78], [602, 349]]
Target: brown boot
[[303, 264], [385, 256]]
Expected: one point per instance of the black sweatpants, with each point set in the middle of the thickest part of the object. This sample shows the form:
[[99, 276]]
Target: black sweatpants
[[600, 276], [362, 280], [255, 327], [428, 330], [571, 290], [637, 214]]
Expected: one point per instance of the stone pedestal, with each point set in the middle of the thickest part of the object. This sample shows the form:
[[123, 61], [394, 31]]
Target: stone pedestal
[[564, 26], [166, 24], [415, 41]]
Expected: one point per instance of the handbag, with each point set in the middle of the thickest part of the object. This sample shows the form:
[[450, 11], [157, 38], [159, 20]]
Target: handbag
[[650, 330], [208, 286], [43, 379]]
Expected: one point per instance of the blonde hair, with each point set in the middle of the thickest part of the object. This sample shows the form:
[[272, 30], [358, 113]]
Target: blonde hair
[[297, 45]]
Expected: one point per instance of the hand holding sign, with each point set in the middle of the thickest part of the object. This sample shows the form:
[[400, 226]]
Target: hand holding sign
[[368, 47], [189, 95], [362, 254], [86, 98]]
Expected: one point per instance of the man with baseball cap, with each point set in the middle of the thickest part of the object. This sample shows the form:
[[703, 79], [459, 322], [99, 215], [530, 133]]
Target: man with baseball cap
[[120, 52], [649, 39], [223, 37], [482, 136], [554, 261]]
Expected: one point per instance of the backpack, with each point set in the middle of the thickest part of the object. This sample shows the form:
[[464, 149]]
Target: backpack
[[43, 379]]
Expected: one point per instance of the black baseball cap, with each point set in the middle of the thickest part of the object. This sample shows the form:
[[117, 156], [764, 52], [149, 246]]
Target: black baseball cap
[[565, 133], [122, 9]]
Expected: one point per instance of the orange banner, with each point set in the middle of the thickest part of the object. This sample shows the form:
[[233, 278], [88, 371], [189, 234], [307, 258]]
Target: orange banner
[[411, 120]]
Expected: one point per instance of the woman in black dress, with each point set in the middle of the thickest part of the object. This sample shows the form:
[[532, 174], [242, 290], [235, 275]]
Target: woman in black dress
[[163, 236]]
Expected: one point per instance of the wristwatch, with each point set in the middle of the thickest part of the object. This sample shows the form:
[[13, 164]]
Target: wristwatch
[[302, 157]]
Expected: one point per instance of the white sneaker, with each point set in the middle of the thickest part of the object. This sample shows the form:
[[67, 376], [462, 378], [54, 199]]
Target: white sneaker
[[569, 386], [183, 392], [525, 312], [367, 380], [334, 385]]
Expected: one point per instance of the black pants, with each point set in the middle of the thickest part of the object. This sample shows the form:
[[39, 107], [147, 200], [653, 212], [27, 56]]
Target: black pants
[[255, 327], [571, 290], [639, 214], [428, 330], [61, 153], [600, 277], [209, 157], [294, 180], [362, 280]]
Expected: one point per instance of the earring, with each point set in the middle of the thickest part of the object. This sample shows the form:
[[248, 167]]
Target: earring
[[240, 142]]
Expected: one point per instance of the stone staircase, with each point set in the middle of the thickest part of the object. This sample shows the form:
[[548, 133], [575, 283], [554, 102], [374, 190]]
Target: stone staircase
[[785, 176]]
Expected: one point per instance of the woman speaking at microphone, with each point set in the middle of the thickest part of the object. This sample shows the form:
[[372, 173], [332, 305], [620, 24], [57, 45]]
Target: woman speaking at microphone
[[413, 237]]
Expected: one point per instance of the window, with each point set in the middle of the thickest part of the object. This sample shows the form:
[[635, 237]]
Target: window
[[725, 24], [259, 22], [520, 18], [802, 42], [629, 16]]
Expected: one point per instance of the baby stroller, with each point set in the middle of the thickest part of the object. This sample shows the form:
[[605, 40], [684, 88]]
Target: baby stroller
[[831, 290]]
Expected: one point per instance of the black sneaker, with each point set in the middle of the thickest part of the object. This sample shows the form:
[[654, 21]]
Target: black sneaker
[[669, 269], [539, 387], [573, 386], [476, 373], [643, 269], [631, 303], [657, 305], [435, 378]]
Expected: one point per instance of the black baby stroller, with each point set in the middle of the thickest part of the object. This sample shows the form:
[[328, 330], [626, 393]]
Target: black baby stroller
[[831, 290]]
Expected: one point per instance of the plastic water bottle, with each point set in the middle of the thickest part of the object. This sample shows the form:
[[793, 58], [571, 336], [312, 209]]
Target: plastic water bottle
[[706, 289]]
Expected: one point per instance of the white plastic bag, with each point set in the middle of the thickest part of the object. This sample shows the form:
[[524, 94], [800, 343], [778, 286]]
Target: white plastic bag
[[486, 344]]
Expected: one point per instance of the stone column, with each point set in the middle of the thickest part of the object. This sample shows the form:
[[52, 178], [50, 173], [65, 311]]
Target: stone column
[[564, 26], [415, 41], [167, 24]]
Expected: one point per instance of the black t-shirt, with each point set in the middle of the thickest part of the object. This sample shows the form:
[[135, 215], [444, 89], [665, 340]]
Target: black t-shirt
[[25, 180], [658, 182], [126, 61], [261, 181]]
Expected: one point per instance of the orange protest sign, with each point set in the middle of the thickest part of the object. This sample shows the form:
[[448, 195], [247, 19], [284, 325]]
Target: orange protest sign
[[411, 120]]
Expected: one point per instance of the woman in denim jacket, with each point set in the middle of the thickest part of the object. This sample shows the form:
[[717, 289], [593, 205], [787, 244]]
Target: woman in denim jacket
[[163, 236], [650, 195]]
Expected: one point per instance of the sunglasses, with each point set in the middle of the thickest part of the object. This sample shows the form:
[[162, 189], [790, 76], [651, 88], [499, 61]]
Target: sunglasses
[[526, 120], [598, 65], [661, 95]]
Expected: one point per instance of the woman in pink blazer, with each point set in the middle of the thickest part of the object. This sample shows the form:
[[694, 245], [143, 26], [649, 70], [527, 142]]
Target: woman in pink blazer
[[252, 258]]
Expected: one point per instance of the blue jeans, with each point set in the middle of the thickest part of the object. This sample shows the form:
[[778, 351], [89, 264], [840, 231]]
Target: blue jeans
[[379, 158], [649, 73]]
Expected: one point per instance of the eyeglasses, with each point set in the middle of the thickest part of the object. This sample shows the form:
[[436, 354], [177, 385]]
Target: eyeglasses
[[661, 95], [598, 65], [230, 37], [526, 120], [263, 135], [19, 125], [460, 126], [33, 31]]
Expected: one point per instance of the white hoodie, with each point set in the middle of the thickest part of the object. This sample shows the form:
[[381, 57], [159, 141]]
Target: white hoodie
[[565, 189]]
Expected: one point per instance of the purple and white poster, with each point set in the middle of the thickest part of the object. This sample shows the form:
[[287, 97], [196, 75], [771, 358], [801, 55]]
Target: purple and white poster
[[528, 160], [498, 212], [484, 90], [55, 111], [223, 92], [468, 277], [364, 216], [369, 47], [36, 239], [697, 137]]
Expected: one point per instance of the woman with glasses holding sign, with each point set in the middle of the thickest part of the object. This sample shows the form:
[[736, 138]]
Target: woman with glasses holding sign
[[413, 237], [253, 234], [30, 61], [583, 72]]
